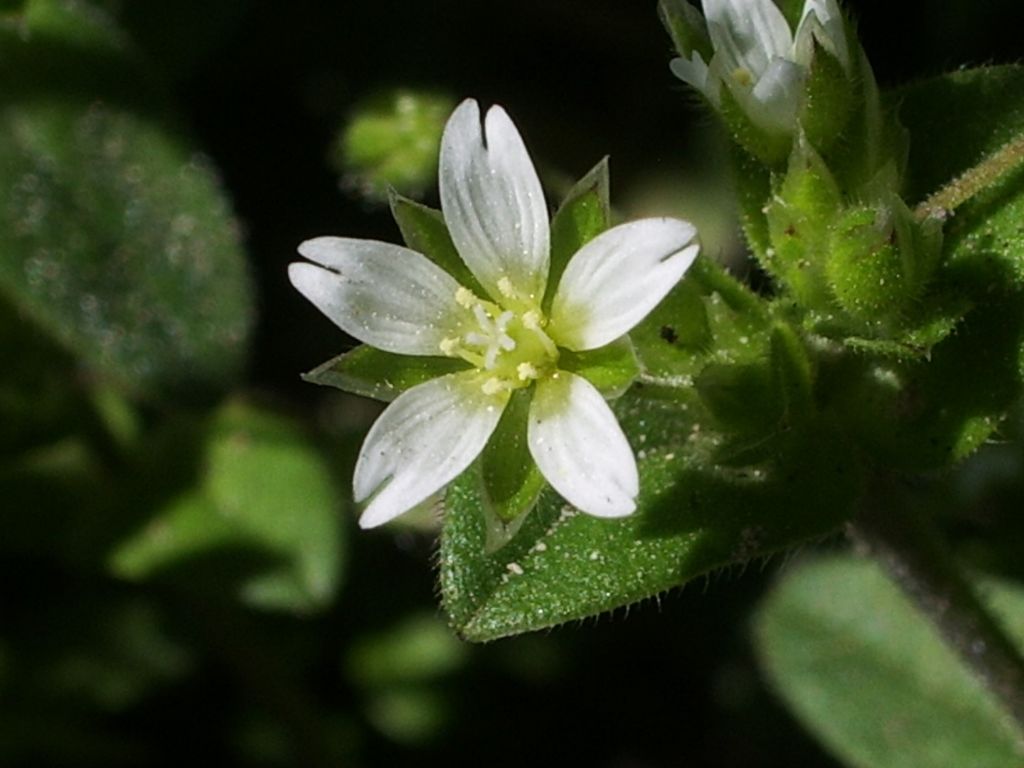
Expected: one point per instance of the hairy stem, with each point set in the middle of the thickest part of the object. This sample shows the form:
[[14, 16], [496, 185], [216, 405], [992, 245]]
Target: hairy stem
[[920, 562], [975, 180]]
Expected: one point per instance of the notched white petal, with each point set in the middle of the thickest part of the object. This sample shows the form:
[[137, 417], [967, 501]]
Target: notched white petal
[[694, 71], [423, 441], [579, 447], [617, 278], [384, 295], [823, 20], [748, 33], [492, 201]]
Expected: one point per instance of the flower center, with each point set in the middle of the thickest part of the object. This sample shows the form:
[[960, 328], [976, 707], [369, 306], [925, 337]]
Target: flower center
[[508, 347]]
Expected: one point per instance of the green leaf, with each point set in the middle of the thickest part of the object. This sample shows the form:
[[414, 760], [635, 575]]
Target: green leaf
[[873, 679], [261, 524], [692, 517], [611, 369], [424, 230], [984, 240], [931, 412], [511, 480], [118, 243], [584, 214], [371, 372]]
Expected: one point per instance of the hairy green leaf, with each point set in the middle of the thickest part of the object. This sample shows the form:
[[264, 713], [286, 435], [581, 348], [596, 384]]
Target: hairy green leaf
[[119, 242], [872, 678], [693, 516]]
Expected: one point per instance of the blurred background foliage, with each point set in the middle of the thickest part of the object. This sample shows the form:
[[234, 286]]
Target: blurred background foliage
[[179, 567]]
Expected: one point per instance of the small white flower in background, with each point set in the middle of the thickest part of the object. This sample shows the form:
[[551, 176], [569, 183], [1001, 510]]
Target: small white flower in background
[[399, 301], [761, 61]]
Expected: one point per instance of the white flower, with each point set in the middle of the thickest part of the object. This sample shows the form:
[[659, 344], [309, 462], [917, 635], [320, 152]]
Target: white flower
[[758, 57], [399, 301]]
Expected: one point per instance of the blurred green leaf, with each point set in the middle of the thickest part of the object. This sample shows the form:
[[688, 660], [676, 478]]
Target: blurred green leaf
[[393, 141], [263, 522], [693, 516], [381, 375], [417, 650], [122, 247], [119, 244], [872, 678]]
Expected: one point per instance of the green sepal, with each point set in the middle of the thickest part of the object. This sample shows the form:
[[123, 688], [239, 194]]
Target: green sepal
[[424, 230], [792, 10], [926, 324], [584, 214], [793, 373], [673, 340], [611, 368], [371, 372], [767, 146], [742, 398], [874, 141], [708, 317], [753, 189], [801, 209], [827, 99], [511, 481], [687, 28]]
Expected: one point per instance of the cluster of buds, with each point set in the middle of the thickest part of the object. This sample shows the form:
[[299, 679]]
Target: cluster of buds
[[798, 96]]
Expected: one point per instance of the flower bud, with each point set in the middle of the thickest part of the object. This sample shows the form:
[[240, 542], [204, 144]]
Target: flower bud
[[880, 259], [763, 77]]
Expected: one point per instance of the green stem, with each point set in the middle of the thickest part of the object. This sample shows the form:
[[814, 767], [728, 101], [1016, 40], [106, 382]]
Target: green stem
[[916, 557], [972, 182]]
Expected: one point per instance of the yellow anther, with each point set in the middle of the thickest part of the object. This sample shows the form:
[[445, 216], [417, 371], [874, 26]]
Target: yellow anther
[[464, 297], [531, 320], [526, 371], [743, 77], [505, 287], [449, 347], [492, 386]]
